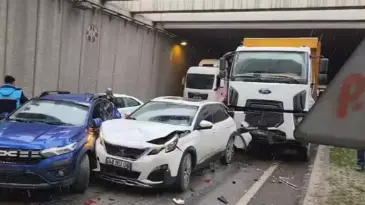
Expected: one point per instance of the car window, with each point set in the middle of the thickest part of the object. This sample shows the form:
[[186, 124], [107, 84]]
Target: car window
[[119, 102], [108, 109], [219, 114], [97, 112], [52, 112], [130, 102], [205, 114]]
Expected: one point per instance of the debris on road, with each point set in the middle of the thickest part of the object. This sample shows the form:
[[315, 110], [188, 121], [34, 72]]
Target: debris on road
[[178, 201], [222, 199], [208, 181], [282, 179], [90, 202], [233, 182]]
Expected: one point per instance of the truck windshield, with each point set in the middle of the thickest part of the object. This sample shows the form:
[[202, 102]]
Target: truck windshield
[[199, 81], [270, 66]]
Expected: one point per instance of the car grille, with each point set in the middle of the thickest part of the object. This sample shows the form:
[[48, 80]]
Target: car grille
[[198, 96], [125, 152], [20, 178], [257, 118], [19, 157], [118, 172]]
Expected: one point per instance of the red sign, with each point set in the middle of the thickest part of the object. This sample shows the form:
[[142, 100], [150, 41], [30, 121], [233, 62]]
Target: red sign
[[351, 90]]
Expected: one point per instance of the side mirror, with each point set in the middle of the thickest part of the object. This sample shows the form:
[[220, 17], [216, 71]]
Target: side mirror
[[3, 115], [96, 123], [222, 84], [183, 81], [222, 74], [323, 66], [204, 125], [322, 79]]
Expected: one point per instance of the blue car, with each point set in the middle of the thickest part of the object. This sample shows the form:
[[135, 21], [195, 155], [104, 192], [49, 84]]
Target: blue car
[[49, 141]]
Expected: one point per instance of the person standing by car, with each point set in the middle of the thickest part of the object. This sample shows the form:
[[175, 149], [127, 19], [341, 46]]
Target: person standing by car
[[11, 97]]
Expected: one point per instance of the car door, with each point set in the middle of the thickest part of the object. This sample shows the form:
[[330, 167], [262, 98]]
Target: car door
[[204, 143], [222, 127], [130, 105]]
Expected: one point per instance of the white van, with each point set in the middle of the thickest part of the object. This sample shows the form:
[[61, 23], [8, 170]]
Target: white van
[[209, 63], [203, 83]]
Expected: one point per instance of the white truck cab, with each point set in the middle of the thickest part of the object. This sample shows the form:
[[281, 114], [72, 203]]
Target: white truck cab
[[209, 63], [272, 84], [203, 83]]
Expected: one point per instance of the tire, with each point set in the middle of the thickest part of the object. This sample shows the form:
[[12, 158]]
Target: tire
[[228, 152], [82, 176], [304, 152], [183, 176]]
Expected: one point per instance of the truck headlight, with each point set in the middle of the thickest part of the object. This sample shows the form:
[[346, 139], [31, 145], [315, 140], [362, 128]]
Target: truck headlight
[[55, 151]]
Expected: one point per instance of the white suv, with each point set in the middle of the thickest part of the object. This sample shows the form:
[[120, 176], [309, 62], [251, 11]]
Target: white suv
[[163, 141]]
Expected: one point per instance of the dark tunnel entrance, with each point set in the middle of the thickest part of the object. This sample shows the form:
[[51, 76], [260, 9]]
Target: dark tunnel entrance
[[337, 44]]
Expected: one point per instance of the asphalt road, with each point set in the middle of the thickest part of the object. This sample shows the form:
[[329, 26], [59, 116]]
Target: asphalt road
[[252, 179]]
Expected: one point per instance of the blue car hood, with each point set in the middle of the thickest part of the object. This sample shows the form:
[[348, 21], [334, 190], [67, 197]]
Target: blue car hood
[[36, 136]]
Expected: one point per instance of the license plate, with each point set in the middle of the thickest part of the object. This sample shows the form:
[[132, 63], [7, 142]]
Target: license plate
[[118, 163]]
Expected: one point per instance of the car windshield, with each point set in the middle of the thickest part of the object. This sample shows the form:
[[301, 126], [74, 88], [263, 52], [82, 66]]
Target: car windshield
[[166, 112], [199, 81], [270, 66], [51, 112]]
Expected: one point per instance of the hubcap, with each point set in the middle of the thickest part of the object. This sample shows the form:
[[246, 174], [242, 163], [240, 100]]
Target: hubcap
[[229, 151], [187, 170]]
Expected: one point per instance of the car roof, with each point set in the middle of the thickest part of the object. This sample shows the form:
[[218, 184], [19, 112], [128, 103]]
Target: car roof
[[186, 101], [83, 99]]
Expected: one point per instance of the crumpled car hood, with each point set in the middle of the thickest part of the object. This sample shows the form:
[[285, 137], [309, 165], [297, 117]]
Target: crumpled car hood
[[136, 133]]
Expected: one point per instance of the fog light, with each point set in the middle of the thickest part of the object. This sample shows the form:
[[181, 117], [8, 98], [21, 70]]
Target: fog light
[[161, 167], [61, 173]]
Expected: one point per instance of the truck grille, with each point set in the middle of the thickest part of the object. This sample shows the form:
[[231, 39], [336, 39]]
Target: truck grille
[[257, 118], [198, 96], [20, 178], [125, 152]]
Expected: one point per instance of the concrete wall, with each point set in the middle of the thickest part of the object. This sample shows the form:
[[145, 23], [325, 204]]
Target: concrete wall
[[44, 45], [239, 5]]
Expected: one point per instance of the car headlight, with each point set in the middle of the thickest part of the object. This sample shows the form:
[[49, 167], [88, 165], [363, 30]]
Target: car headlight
[[55, 151], [101, 136], [172, 144], [169, 146]]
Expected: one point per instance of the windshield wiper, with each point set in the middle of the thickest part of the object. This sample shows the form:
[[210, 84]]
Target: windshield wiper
[[291, 79]]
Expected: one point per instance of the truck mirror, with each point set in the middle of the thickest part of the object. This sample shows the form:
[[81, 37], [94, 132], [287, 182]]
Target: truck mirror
[[222, 63], [222, 74], [322, 79], [221, 83], [183, 81], [323, 66]]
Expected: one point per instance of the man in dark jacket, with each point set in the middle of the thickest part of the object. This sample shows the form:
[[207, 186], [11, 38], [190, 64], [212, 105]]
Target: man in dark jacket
[[360, 160], [11, 97]]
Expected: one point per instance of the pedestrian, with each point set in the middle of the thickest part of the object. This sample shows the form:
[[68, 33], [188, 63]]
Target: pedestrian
[[360, 160], [11, 97]]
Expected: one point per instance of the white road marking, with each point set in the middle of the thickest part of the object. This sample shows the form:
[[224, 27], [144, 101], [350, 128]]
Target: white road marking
[[257, 185]]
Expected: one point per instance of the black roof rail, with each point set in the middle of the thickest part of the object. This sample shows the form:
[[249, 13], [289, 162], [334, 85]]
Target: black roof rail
[[53, 92]]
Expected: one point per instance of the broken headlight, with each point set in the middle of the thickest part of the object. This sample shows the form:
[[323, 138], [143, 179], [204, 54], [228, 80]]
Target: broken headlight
[[168, 143]]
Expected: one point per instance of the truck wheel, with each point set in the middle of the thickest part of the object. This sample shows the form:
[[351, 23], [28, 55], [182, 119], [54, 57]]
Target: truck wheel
[[304, 152], [228, 152], [183, 176], [82, 176]]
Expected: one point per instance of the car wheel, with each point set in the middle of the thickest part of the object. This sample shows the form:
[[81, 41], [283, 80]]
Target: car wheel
[[304, 152], [185, 169], [82, 176], [228, 152]]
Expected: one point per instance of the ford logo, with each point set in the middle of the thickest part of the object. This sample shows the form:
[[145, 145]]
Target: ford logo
[[264, 91]]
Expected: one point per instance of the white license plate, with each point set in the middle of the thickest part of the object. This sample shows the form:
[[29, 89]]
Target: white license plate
[[119, 163]]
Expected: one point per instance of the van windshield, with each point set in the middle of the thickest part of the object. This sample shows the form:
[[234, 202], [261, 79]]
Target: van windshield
[[271, 66], [199, 81]]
